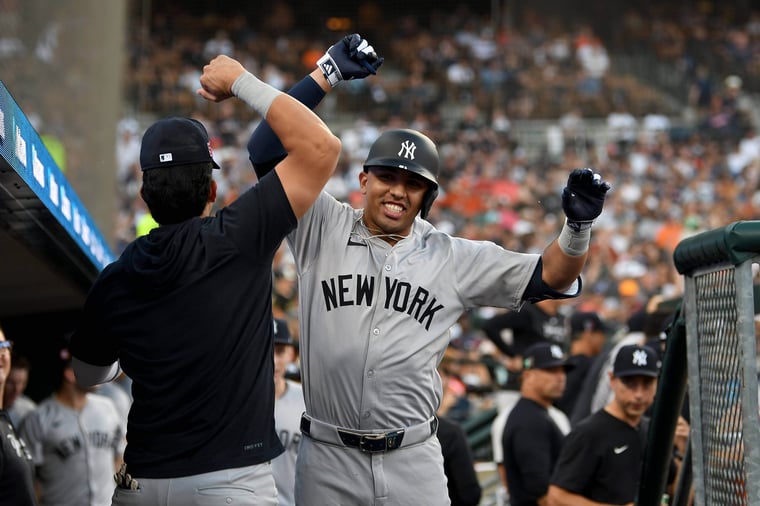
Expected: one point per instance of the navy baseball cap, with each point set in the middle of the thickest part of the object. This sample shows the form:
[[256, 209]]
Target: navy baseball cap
[[175, 141], [282, 333], [544, 356], [636, 360]]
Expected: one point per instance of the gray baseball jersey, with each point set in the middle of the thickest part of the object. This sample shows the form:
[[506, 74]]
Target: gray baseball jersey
[[375, 318], [287, 422], [74, 451]]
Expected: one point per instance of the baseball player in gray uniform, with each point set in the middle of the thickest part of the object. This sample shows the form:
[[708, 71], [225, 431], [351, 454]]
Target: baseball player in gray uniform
[[379, 289], [288, 408], [77, 441]]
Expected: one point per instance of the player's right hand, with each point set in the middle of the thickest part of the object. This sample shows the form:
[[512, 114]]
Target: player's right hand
[[352, 57], [217, 78]]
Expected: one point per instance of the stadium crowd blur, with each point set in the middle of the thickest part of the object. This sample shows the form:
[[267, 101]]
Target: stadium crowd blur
[[513, 109]]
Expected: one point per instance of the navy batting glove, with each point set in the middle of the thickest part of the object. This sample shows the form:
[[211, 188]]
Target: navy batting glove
[[350, 58], [583, 198]]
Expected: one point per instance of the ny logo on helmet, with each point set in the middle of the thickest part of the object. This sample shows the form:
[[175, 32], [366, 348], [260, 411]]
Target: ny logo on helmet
[[407, 149]]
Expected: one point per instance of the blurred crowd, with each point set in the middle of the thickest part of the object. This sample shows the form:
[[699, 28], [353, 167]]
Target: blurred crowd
[[675, 170]]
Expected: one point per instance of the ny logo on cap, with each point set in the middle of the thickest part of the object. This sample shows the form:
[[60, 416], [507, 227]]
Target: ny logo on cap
[[407, 149], [640, 358], [556, 351]]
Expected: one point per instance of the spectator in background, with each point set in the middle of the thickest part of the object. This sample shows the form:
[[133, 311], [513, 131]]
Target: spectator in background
[[601, 457], [588, 335], [16, 466], [531, 440], [514, 331], [77, 441], [15, 403], [288, 407]]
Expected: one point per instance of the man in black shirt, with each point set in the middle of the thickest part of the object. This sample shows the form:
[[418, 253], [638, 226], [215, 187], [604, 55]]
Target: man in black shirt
[[186, 310], [531, 440], [601, 458]]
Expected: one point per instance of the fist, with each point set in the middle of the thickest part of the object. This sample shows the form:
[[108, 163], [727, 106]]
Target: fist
[[350, 58], [583, 197], [217, 78]]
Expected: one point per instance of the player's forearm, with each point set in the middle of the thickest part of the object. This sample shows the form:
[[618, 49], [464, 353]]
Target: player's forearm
[[561, 270], [264, 147]]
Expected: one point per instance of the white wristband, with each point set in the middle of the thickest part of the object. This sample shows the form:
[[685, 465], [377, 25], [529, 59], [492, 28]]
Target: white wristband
[[574, 243], [258, 94]]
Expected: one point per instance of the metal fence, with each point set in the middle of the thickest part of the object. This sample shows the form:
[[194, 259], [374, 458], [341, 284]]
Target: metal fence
[[721, 353]]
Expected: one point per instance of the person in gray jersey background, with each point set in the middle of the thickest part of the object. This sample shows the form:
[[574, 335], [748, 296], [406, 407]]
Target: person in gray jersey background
[[288, 408], [77, 441]]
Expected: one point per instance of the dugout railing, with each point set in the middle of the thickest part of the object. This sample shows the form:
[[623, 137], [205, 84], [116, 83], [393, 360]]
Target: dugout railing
[[711, 354]]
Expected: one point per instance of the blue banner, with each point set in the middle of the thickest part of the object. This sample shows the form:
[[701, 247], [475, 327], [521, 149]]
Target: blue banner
[[22, 148]]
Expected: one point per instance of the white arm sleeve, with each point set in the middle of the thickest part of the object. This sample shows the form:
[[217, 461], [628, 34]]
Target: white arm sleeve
[[90, 375]]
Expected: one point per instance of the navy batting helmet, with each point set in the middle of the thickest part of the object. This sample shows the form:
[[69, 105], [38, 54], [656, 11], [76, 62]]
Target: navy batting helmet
[[409, 150]]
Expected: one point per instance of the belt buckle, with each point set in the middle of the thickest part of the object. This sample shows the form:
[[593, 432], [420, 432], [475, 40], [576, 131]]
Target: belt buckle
[[375, 443]]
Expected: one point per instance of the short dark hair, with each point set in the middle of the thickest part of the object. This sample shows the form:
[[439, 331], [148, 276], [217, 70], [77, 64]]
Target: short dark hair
[[178, 193]]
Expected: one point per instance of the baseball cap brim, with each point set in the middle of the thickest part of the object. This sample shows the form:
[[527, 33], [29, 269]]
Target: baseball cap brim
[[637, 372]]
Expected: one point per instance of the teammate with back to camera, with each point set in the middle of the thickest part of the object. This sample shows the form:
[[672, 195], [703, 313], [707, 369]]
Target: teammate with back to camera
[[187, 309], [379, 288]]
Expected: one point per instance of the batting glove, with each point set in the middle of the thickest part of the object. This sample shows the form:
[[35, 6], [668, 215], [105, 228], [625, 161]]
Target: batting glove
[[583, 198], [350, 58]]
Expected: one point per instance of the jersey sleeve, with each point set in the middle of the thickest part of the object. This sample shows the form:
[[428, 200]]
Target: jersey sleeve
[[89, 342], [327, 216], [488, 275], [258, 221]]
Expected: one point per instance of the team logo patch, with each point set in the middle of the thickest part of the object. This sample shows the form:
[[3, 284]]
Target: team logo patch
[[165, 157], [407, 149], [640, 358]]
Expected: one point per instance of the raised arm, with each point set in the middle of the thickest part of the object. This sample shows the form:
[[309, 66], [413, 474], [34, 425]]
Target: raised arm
[[312, 149], [352, 57], [582, 202]]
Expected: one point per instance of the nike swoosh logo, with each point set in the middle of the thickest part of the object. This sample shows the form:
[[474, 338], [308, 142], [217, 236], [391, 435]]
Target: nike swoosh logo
[[620, 449], [351, 242]]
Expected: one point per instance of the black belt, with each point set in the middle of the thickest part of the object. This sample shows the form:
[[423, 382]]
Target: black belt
[[368, 442]]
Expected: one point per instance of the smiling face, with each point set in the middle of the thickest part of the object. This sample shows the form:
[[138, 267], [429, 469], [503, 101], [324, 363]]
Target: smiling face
[[393, 199]]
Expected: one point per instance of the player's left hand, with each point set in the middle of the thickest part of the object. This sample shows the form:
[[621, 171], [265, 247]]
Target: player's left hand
[[583, 197], [352, 57]]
